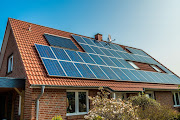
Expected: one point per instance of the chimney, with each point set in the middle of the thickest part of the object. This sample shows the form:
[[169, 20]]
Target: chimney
[[98, 37]]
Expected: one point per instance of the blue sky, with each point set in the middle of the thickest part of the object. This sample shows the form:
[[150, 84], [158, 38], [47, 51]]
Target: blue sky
[[152, 25]]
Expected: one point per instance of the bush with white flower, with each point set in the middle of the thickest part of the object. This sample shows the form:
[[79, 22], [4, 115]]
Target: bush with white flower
[[110, 109]]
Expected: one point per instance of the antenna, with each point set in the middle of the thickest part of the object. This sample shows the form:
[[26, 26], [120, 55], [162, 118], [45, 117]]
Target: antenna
[[29, 28], [109, 39]]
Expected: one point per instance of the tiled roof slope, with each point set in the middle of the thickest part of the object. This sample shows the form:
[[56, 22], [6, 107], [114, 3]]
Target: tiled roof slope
[[36, 74]]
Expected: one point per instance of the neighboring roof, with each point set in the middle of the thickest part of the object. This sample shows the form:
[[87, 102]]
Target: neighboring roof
[[36, 74], [6, 82]]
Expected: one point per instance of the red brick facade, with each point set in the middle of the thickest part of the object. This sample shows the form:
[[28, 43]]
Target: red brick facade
[[164, 97]]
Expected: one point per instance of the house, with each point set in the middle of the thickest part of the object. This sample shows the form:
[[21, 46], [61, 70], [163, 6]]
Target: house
[[46, 72]]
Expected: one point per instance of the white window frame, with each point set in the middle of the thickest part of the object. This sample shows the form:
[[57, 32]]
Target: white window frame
[[155, 68], [150, 92], [175, 102], [134, 66], [10, 64], [77, 102], [19, 109]]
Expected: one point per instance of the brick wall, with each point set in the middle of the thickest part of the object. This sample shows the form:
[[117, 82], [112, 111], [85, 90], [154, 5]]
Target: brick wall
[[16, 107], [18, 69], [164, 97], [53, 102]]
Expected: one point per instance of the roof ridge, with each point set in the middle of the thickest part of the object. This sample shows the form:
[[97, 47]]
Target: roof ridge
[[71, 33]]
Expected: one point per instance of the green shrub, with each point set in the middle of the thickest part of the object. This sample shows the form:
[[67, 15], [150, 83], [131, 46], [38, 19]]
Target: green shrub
[[150, 109], [57, 118]]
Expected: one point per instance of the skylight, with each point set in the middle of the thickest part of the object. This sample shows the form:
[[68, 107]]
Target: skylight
[[132, 64], [155, 68]]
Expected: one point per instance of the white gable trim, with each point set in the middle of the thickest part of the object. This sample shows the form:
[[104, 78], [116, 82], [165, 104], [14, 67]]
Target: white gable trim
[[4, 44]]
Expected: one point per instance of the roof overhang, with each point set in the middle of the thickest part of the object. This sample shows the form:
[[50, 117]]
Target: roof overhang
[[110, 89], [6, 82]]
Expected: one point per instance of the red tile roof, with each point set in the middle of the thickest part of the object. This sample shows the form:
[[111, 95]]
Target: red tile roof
[[36, 74]]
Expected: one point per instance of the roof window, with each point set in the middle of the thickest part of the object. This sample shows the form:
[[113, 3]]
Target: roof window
[[134, 65], [155, 68]]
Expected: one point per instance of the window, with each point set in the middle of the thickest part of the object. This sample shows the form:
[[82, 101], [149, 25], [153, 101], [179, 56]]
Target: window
[[77, 102], [118, 95], [132, 64], [149, 94], [176, 99], [155, 68], [10, 64]]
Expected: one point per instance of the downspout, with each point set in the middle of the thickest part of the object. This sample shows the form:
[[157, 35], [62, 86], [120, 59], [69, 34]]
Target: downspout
[[37, 101]]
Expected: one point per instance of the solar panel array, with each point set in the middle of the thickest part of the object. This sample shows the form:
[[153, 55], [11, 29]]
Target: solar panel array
[[60, 41], [67, 63], [112, 50]]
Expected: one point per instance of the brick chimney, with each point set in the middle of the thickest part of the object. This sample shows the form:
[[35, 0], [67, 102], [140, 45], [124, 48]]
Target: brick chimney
[[98, 37]]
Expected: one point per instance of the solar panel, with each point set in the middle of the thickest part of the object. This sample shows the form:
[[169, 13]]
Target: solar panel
[[60, 54], [97, 43], [113, 46], [60, 41], [114, 53], [85, 71], [163, 80], [130, 75], [121, 75], [149, 78], [118, 47], [87, 48], [104, 44], [88, 41], [53, 68], [110, 74], [97, 50], [156, 78], [164, 69], [117, 62], [125, 63], [107, 61], [106, 51], [74, 56], [137, 74], [44, 51], [137, 58], [122, 54], [97, 59], [78, 39], [130, 57], [70, 69], [174, 78], [136, 51], [86, 57], [98, 72]]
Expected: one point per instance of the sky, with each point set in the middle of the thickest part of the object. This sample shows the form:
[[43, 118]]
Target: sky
[[151, 25]]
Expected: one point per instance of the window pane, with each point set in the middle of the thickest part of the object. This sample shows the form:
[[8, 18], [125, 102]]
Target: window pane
[[177, 99], [70, 102], [10, 64], [82, 102]]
